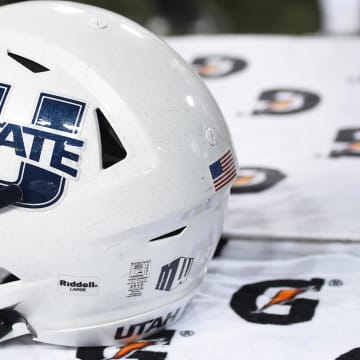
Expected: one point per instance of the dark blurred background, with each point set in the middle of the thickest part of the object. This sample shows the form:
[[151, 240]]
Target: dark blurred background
[[172, 17]]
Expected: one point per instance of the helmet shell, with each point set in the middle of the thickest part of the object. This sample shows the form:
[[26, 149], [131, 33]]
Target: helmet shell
[[90, 243]]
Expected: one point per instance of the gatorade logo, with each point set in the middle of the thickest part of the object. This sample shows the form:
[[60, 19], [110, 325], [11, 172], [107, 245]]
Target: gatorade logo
[[277, 302], [151, 348], [252, 180], [347, 143], [285, 102], [218, 66]]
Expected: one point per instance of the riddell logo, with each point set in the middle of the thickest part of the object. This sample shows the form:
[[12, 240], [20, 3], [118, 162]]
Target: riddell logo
[[285, 101], [259, 302], [218, 66], [78, 285], [133, 350]]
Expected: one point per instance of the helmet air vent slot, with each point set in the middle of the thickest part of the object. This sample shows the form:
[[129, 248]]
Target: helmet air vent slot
[[112, 150], [7, 277], [31, 65], [170, 234]]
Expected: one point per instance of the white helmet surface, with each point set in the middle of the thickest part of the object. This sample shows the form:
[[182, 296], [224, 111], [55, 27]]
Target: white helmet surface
[[115, 168]]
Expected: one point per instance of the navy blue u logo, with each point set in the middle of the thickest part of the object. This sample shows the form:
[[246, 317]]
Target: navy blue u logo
[[43, 173]]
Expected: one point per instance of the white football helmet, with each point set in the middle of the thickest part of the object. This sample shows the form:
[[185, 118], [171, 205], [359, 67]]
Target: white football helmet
[[115, 168]]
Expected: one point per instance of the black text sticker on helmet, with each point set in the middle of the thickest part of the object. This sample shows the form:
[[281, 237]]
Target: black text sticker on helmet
[[174, 274], [264, 302], [44, 155], [146, 349], [148, 326], [78, 285], [138, 277], [218, 66], [252, 179], [285, 102], [347, 143]]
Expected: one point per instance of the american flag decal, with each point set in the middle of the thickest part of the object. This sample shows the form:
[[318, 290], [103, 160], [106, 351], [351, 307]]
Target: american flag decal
[[223, 171]]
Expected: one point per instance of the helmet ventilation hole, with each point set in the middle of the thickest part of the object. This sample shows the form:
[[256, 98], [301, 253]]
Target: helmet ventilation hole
[[170, 234], [7, 277], [112, 150], [31, 65]]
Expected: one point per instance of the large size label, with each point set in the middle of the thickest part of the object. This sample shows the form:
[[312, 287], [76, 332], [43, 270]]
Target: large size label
[[78, 285]]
